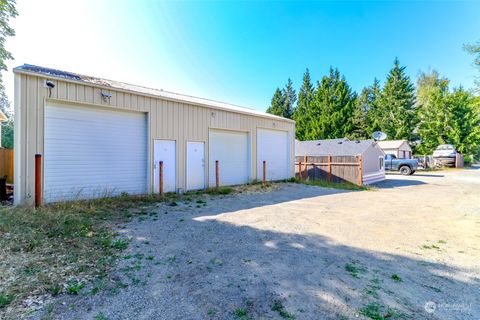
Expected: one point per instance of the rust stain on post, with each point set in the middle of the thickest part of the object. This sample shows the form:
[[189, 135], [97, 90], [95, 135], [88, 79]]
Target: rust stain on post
[[38, 180], [329, 168], [217, 178], [264, 180], [161, 178]]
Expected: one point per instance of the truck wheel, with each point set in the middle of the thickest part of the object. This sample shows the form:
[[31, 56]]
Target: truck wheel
[[405, 170], [412, 172]]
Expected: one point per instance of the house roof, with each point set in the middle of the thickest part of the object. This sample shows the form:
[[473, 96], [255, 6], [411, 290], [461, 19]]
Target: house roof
[[112, 84], [333, 147], [391, 144], [3, 117]]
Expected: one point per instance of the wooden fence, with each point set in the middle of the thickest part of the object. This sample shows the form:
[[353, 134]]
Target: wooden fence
[[330, 168], [6, 164]]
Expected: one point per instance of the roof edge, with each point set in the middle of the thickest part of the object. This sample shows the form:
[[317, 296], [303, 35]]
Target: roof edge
[[253, 112]]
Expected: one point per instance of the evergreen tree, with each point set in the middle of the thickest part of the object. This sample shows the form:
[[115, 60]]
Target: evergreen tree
[[474, 49], [365, 120], [433, 112], [331, 113], [277, 104], [465, 123], [290, 99], [305, 99], [396, 110]]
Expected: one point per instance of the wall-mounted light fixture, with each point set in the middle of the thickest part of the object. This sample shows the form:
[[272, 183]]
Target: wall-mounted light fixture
[[212, 114], [105, 96], [49, 85]]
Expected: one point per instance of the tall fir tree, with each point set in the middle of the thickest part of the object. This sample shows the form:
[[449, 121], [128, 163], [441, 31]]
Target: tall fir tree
[[277, 104], [305, 100], [290, 99], [433, 112], [331, 113], [365, 120], [397, 105]]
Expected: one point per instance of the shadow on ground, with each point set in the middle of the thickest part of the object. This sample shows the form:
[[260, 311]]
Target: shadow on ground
[[192, 265]]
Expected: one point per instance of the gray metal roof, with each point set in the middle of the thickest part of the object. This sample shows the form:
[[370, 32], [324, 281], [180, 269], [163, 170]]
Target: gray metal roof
[[70, 76], [333, 147]]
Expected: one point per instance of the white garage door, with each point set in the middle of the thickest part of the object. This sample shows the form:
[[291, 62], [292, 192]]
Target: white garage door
[[93, 152], [273, 147], [231, 150]]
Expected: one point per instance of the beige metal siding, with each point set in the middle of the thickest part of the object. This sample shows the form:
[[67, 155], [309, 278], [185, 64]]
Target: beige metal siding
[[167, 119]]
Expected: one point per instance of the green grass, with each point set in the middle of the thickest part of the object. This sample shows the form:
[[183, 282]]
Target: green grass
[[353, 269], [5, 300], [396, 277], [241, 314], [221, 190], [376, 311], [334, 185], [280, 309]]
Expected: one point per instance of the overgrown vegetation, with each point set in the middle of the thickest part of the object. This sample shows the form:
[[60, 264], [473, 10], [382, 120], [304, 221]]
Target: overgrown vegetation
[[334, 185], [58, 248]]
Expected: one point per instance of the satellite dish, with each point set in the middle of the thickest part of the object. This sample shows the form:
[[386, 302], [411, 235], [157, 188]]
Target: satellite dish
[[379, 135]]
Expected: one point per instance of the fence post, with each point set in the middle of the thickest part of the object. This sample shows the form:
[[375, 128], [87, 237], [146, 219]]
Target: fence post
[[329, 168], [160, 178], [305, 168], [217, 178], [300, 174], [360, 171], [264, 180], [38, 180]]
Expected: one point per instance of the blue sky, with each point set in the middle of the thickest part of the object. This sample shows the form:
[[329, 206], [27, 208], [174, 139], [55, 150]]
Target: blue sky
[[239, 52]]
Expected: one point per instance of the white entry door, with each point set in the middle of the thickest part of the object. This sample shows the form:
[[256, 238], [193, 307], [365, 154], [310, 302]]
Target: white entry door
[[273, 146], [195, 165], [164, 150]]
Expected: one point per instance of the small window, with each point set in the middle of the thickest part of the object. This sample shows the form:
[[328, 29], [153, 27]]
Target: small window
[[380, 163]]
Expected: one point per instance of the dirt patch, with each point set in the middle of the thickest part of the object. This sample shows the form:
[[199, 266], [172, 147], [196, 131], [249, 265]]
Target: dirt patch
[[408, 250]]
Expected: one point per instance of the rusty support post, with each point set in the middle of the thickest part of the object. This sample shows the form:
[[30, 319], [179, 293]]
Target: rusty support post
[[300, 174], [329, 168], [38, 180], [264, 179], [217, 178], [360, 171], [160, 181], [305, 167]]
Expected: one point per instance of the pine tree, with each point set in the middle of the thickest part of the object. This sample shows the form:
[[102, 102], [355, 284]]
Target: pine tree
[[305, 98], [397, 105], [465, 123], [290, 99], [331, 113], [433, 112], [277, 104], [365, 120]]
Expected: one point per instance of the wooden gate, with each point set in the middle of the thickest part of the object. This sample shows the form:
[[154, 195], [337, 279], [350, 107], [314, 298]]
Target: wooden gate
[[6, 164]]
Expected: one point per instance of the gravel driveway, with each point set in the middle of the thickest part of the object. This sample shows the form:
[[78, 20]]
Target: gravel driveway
[[410, 249]]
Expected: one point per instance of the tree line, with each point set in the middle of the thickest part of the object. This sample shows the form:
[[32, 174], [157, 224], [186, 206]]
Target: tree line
[[428, 114]]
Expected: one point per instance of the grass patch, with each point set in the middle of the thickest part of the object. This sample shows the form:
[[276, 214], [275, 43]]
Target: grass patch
[[241, 314], [221, 190], [353, 269], [280, 309], [427, 247], [334, 185], [396, 277], [378, 312], [63, 241]]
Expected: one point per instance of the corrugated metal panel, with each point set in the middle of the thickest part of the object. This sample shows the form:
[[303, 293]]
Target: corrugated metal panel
[[93, 152], [166, 120]]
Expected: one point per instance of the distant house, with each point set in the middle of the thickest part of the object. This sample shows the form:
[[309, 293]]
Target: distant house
[[399, 148], [2, 119], [373, 168]]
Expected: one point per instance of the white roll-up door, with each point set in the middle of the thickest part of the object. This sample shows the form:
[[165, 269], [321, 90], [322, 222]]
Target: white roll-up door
[[93, 152], [231, 149], [273, 146]]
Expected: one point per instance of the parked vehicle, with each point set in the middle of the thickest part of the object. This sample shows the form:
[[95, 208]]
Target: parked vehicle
[[404, 166], [445, 155]]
